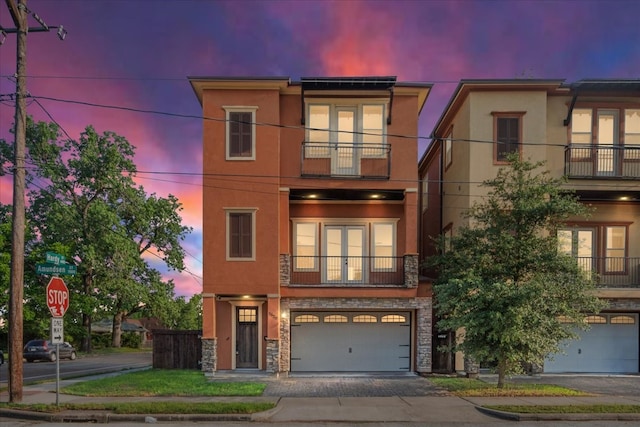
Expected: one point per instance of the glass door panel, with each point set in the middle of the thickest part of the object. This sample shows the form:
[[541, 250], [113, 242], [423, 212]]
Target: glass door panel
[[344, 159]]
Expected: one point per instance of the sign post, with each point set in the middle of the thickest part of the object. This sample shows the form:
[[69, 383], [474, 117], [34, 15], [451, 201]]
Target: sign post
[[58, 303]]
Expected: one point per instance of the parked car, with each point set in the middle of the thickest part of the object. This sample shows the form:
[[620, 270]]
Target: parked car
[[45, 350]]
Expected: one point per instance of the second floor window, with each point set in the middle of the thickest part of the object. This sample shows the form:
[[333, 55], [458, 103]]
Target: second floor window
[[507, 135], [241, 234], [241, 133]]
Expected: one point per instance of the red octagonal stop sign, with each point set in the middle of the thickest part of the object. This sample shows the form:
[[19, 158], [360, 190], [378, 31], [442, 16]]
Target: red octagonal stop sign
[[57, 297]]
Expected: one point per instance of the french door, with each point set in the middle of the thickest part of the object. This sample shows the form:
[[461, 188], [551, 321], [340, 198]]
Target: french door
[[344, 247], [344, 156]]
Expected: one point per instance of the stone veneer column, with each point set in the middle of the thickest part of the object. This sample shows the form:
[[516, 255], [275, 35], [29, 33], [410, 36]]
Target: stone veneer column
[[285, 336], [209, 356], [273, 355], [411, 267], [285, 269], [424, 335]]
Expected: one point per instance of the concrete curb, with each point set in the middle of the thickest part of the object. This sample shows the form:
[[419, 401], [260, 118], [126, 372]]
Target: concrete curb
[[514, 416]]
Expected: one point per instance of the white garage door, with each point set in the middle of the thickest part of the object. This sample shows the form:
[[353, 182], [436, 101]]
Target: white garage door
[[609, 346], [350, 342]]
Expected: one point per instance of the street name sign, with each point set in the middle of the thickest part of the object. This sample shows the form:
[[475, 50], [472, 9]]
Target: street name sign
[[57, 297], [57, 330], [54, 258], [47, 268]]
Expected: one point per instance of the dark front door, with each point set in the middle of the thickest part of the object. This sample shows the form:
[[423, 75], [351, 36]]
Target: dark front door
[[246, 337]]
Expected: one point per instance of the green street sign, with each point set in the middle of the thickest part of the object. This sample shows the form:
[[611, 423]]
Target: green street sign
[[54, 258], [65, 269]]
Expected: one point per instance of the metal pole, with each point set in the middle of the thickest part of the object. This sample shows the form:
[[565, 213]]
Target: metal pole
[[58, 374]]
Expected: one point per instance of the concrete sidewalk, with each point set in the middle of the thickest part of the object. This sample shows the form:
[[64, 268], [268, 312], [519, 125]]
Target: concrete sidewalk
[[400, 409]]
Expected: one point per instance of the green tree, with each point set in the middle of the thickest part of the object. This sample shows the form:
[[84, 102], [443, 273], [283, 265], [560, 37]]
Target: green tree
[[502, 280], [84, 201]]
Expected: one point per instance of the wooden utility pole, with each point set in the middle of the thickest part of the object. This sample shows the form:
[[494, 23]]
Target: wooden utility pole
[[19, 15]]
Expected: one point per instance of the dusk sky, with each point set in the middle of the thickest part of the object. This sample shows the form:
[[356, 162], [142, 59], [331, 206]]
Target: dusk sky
[[137, 54]]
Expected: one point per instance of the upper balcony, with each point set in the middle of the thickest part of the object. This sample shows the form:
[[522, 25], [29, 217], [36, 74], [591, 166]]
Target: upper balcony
[[349, 271], [613, 272], [345, 160], [587, 161]]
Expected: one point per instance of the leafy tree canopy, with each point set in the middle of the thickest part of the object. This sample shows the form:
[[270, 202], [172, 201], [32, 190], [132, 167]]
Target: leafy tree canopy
[[502, 282]]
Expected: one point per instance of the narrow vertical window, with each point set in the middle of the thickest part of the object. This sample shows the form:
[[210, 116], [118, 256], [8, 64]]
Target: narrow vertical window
[[306, 246], [318, 134], [581, 135], [383, 249], [632, 134], [373, 131], [448, 150], [615, 250], [241, 129], [241, 234], [507, 136]]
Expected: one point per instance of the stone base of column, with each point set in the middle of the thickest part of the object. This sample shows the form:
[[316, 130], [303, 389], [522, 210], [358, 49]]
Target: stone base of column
[[209, 356]]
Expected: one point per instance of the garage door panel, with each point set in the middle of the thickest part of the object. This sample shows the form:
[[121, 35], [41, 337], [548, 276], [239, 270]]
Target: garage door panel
[[604, 348], [350, 346]]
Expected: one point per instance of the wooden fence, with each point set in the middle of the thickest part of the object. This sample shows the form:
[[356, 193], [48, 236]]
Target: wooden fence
[[177, 349]]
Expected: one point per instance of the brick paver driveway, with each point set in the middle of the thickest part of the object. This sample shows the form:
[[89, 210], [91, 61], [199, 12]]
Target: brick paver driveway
[[352, 386]]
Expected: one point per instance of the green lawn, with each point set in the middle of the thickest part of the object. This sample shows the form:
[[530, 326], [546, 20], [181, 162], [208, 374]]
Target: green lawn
[[150, 407], [467, 387], [163, 382]]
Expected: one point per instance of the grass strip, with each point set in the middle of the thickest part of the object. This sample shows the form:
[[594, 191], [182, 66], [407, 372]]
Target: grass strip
[[468, 387], [162, 382], [568, 409], [150, 407]]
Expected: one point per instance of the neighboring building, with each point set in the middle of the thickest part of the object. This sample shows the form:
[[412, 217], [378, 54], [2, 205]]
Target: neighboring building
[[588, 131], [310, 241]]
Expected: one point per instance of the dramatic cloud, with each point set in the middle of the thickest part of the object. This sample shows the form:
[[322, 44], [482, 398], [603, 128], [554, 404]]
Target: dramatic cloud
[[137, 54]]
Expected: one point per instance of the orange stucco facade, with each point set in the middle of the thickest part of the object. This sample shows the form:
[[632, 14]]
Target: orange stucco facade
[[259, 293]]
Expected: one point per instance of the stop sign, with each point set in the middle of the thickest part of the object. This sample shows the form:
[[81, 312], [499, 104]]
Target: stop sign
[[57, 297]]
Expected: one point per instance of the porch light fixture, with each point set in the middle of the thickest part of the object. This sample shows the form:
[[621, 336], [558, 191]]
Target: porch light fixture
[[246, 296], [624, 198], [284, 315]]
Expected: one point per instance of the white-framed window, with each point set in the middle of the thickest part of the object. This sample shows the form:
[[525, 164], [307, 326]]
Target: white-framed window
[[241, 234], [601, 248], [305, 250], [615, 248], [383, 250], [240, 133]]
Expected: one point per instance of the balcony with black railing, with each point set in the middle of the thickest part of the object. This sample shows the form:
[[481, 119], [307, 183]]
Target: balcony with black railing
[[345, 160], [602, 161], [613, 272], [344, 271]]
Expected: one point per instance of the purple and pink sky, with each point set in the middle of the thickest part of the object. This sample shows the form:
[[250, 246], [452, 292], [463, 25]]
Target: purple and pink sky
[[137, 54]]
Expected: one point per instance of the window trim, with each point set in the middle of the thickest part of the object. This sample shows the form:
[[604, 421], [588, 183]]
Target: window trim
[[227, 146], [506, 115], [228, 213]]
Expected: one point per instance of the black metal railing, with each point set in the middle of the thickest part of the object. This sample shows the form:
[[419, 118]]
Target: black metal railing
[[601, 161], [353, 160], [345, 271], [613, 272]]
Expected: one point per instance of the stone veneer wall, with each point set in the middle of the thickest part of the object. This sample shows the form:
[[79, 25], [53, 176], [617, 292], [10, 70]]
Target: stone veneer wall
[[209, 356], [624, 304], [285, 269], [422, 327]]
